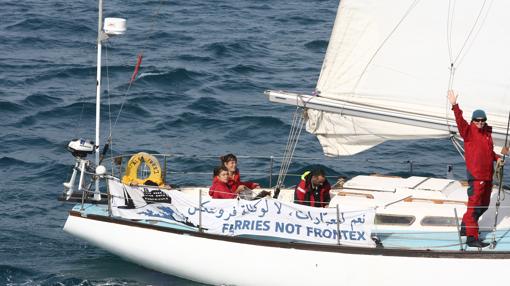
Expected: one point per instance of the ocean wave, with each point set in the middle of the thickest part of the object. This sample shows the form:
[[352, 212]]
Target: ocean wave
[[173, 37], [306, 20], [40, 99], [175, 77], [208, 105], [238, 48], [259, 121], [154, 98], [9, 162], [63, 73], [260, 7], [246, 69], [318, 46], [39, 22], [194, 58], [190, 120], [9, 107], [11, 275], [11, 142], [80, 114], [68, 114]]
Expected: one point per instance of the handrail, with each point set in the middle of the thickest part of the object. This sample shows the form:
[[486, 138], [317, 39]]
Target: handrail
[[118, 165], [266, 157]]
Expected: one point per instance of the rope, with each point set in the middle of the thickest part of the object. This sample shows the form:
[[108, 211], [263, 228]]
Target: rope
[[298, 121], [457, 59], [458, 146], [453, 60], [124, 97]]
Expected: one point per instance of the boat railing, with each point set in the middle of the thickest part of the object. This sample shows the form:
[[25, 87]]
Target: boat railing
[[432, 239], [180, 167]]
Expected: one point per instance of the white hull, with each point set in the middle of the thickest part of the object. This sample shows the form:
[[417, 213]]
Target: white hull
[[229, 261]]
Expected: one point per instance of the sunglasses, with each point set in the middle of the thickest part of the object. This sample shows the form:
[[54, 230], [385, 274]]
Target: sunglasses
[[480, 119]]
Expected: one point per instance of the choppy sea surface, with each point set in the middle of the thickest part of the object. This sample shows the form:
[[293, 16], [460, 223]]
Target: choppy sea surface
[[199, 93]]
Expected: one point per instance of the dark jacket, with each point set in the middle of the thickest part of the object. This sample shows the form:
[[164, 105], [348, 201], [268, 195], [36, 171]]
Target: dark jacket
[[306, 194]]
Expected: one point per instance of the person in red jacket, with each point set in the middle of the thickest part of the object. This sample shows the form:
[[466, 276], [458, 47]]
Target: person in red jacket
[[229, 161], [479, 156], [313, 189], [220, 188]]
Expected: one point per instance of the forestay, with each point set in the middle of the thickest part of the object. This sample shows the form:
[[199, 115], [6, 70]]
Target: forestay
[[263, 217], [393, 57]]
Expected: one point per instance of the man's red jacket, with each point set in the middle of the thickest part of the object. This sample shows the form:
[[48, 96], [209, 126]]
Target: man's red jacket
[[478, 147]]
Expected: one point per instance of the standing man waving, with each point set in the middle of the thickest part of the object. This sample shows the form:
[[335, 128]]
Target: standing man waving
[[480, 157]]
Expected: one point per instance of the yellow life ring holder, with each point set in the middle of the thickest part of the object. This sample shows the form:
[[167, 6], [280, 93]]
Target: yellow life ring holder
[[131, 174]]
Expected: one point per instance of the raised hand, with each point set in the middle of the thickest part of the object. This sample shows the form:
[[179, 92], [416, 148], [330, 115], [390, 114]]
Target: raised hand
[[452, 97]]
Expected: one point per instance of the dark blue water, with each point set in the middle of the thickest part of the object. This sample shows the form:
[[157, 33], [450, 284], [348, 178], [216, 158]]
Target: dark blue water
[[199, 92]]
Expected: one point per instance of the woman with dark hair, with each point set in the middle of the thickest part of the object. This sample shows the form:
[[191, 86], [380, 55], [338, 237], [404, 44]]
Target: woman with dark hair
[[229, 161]]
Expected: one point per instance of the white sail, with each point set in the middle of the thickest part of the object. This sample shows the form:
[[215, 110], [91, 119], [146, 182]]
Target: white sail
[[394, 57]]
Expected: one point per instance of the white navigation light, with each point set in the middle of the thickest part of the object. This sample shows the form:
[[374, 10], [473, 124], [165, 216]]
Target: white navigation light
[[114, 26], [100, 170]]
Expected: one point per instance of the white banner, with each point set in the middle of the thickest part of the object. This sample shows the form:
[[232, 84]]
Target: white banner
[[263, 217]]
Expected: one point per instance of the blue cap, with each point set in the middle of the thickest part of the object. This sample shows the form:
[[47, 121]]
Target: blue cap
[[478, 114]]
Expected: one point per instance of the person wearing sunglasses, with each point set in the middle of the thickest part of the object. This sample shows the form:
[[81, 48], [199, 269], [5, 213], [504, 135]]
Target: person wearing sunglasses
[[480, 157]]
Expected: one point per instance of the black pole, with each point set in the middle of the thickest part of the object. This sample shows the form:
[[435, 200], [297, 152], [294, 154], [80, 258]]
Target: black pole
[[276, 192]]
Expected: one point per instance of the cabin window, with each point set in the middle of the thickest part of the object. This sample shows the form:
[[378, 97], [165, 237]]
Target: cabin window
[[438, 221], [394, 219]]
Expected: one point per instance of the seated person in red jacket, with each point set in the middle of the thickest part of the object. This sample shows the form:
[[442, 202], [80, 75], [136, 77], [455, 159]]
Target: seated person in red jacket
[[229, 161], [313, 189], [220, 188]]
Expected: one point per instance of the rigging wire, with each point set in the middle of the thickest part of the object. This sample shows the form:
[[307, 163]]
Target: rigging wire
[[500, 187], [298, 121], [109, 140], [140, 56], [78, 125], [458, 146], [459, 56]]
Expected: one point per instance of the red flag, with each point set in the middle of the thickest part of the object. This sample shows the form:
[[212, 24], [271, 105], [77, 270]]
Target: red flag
[[138, 63]]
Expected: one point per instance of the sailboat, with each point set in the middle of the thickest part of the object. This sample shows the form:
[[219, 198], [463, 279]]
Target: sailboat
[[385, 75]]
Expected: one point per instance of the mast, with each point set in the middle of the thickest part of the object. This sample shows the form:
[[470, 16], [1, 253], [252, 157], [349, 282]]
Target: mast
[[97, 195]]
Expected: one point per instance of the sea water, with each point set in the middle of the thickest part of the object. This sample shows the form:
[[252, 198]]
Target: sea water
[[199, 92]]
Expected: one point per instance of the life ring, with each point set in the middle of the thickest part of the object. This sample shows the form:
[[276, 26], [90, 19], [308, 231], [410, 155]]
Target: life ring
[[131, 174]]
